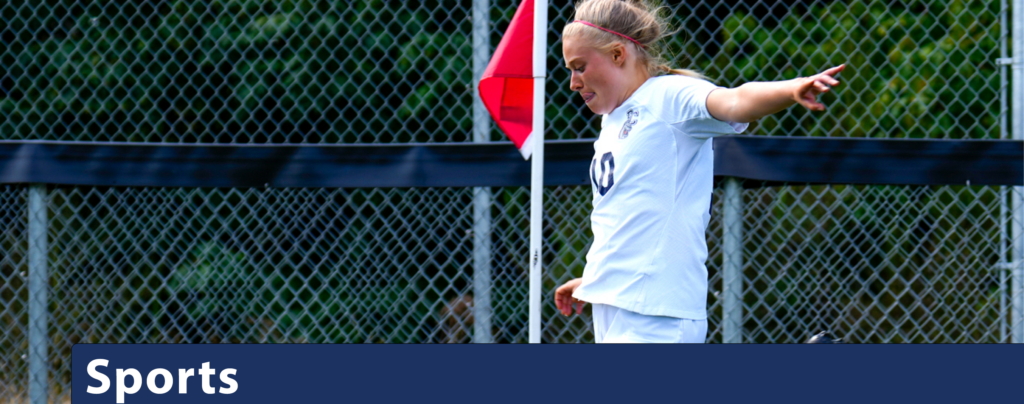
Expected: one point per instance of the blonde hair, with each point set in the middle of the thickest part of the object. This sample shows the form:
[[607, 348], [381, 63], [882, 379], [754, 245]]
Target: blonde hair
[[637, 19]]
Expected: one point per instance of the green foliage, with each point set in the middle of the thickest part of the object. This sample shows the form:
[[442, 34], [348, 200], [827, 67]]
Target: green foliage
[[240, 71], [290, 71], [914, 70]]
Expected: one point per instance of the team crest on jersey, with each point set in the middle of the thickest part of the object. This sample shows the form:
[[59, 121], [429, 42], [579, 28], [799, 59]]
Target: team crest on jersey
[[632, 116]]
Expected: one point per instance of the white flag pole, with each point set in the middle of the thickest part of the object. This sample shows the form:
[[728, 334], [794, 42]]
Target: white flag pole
[[540, 46]]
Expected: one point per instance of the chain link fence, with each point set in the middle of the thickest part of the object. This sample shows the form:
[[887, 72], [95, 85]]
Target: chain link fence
[[872, 263], [288, 71], [13, 292]]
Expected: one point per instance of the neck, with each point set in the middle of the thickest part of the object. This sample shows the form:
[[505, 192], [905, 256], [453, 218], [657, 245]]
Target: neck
[[634, 81]]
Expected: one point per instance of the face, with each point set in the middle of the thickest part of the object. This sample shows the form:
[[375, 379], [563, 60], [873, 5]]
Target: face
[[598, 76]]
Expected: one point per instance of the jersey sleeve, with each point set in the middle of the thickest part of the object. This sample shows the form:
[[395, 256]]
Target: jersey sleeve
[[686, 105]]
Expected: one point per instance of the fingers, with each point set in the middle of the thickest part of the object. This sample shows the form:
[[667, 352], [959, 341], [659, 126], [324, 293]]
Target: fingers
[[809, 100], [835, 70], [826, 80], [812, 105], [811, 87], [808, 89], [564, 300], [821, 87], [826, 77], [564, 303]]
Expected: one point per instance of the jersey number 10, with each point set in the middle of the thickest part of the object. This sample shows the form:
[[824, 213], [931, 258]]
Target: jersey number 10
[[602, 173]]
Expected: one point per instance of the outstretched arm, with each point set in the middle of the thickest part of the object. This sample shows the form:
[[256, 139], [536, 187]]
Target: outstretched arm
[[751, 101]]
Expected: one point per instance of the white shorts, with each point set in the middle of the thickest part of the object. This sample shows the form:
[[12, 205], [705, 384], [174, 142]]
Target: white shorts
[[615, 325]]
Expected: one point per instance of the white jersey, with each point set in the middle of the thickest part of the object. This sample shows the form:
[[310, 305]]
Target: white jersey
[[652, 177]]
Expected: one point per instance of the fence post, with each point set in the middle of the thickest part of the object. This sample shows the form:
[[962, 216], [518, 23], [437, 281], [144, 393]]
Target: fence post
[[732, 262], [1003, 265], [38, 352], [1016, 203], [481, 195]]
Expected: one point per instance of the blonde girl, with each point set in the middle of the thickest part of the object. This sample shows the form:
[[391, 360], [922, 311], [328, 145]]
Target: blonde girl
[[652, 170]]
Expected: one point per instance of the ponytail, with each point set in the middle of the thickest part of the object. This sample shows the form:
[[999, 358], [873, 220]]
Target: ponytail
[[665, 69]]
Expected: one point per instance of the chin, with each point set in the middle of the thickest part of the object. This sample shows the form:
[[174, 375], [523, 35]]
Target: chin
[[597, 109]]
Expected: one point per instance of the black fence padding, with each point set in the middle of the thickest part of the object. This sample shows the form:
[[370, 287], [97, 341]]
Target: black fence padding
[[871, 161], [327, 166], [763, 159]]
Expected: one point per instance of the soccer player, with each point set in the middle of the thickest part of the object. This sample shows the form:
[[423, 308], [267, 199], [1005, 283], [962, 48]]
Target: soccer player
[[652, 171]]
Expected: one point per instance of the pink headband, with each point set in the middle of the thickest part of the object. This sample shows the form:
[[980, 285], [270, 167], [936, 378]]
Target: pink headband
[[609, 31]]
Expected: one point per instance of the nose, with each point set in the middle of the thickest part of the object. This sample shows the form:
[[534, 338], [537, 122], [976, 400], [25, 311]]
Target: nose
[[575, 82]]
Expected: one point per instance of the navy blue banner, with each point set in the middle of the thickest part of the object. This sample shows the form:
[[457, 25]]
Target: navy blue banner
[[870, 161], [544, 373], [288, 166], [764, 160]]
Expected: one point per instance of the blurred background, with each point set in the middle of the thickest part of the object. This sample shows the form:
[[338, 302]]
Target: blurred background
[[870, 263]]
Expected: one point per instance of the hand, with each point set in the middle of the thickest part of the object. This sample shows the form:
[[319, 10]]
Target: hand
[[564, 299], [808, 88]]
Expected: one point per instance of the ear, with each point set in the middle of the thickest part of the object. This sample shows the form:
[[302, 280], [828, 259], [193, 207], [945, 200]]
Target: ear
[[618, 53]]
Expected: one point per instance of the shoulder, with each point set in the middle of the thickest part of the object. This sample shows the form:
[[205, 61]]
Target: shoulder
[[679, 82], [680, 88], [676, 98]]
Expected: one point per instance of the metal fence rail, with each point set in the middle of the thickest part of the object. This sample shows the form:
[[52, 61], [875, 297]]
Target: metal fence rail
[[872, 263]]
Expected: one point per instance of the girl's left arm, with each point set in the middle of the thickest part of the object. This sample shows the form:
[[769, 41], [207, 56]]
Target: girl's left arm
[[751, 101]]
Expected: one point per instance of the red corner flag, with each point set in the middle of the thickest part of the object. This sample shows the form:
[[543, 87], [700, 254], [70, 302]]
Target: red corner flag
[[506, 87]]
